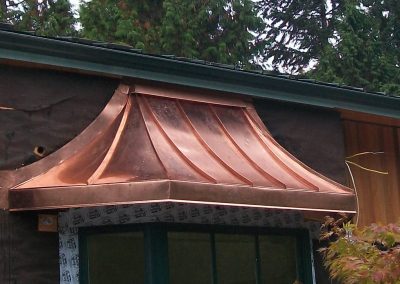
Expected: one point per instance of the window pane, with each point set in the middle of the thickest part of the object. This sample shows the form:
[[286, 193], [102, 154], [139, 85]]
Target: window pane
[[278, 259], [235, 257], [189, 258], [116, 258]]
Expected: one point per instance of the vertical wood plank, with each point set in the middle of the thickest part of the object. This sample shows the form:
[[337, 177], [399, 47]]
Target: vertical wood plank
[[378, 194]]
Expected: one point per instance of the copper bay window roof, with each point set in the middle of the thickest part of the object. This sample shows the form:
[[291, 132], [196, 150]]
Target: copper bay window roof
[[159, 144]]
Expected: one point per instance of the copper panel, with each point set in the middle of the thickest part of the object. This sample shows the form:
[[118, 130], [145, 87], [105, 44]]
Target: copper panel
[[138, 159], [262, 197], [176, 165], [238, 128], [212, 135], [145, 147], [189, 192], [89, 195], [178, 130]]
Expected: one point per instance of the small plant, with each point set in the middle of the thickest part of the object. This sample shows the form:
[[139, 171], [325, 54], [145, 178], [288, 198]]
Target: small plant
[[361, 255]]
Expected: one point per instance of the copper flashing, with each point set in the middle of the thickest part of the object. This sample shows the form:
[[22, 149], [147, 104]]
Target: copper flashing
[[154, 144]]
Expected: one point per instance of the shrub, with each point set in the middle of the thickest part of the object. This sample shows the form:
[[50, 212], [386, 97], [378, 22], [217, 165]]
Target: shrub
[[361, 255]]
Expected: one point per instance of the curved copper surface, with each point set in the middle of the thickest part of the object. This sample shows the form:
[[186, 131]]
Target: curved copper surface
[[143, 136]]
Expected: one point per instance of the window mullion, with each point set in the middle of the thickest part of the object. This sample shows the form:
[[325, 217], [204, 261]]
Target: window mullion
[[213, 259], [258, 260], [83, 259], [156, 247], [304, 264]]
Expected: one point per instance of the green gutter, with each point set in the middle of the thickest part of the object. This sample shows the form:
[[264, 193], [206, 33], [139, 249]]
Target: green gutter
[[62, 53]]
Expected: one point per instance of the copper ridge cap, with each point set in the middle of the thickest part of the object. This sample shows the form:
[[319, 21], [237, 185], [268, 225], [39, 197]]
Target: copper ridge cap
[[202, 96], [148, 133]]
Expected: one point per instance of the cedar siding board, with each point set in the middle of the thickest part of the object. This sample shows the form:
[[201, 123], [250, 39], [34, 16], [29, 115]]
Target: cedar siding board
[[378, 194]]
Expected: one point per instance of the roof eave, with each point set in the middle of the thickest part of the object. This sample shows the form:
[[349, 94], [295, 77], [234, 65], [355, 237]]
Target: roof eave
[[179, 191], [78, 56]]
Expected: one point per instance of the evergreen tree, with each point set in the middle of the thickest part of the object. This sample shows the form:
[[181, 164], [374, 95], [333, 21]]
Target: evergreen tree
[[46, 17], [3, 10], [352, 42], [366, 52], [213, 30], [298, 30]]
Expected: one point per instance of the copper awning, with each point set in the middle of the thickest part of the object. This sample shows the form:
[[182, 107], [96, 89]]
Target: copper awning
[[159, 144]]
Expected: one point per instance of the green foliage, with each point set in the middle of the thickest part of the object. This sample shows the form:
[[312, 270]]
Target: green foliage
[[352, 42], [366, 53], [47, 17], [219, 31], [298, 31], [368, 255]]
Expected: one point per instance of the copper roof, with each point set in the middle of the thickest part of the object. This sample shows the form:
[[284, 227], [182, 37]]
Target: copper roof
[[160, 144]]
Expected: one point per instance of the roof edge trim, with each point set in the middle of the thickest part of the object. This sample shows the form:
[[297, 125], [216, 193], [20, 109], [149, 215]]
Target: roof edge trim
[[167, 190], [61, 53]]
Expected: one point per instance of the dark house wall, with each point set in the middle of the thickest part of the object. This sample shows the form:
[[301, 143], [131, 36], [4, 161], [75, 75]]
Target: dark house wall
[[313, 135], [45, 108], [39, 108], [26, 255]]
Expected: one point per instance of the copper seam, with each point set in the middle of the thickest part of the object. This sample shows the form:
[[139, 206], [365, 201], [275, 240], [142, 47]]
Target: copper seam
[[111, 150], [275, 157], [148, 135], [301, 164], [272, 179], [208, 148], [143, 101], [294, 159]]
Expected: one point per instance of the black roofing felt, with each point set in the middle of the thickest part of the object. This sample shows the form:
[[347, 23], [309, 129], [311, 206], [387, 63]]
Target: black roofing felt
[[124, 61]]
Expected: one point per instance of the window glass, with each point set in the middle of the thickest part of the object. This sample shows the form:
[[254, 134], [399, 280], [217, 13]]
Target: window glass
[[278, 259], [116, 258], [235, 259], [190, 259], [195, 257]]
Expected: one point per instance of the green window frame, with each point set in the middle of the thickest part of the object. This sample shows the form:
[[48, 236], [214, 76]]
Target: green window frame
[[156, 257]]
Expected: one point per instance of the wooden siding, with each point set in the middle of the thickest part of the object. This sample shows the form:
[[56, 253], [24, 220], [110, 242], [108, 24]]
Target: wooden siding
[[378, 194]]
